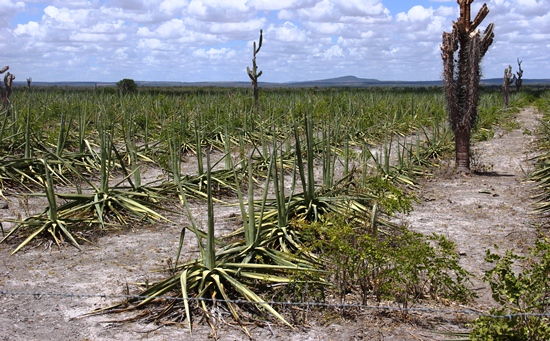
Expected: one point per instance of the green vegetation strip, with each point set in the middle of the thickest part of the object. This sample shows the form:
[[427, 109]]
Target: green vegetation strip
[[331, 166]]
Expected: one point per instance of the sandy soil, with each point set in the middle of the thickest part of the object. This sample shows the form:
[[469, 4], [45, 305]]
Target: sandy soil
[[475, 212], [490, 207]]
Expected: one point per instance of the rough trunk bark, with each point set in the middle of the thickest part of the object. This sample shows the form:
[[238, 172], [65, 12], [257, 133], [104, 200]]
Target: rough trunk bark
[[462, 51], [462, 149]]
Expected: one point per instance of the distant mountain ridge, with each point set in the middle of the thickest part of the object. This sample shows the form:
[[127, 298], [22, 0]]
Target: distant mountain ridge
[[344, 81]]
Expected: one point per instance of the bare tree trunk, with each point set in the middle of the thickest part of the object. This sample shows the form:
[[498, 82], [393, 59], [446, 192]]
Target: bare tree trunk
[[462, 150], [519, 81], [462, 51], [506, 85], [6, 92]]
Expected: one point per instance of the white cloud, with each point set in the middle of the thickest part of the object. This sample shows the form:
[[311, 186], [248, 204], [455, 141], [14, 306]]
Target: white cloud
[[419, 13], [59, 15], [333, 52], [151, 44], [95, 37], [212, 39], [74, 4], [8, 9], [361, 8], [4, 4], [335, 11], [280, 5], [416, 14], [236, 29], [214, 54], [172, 6], [174, 28], [447, 12], [32, 28], [120, 54], [219, 10], [288, 33], [328, 28]]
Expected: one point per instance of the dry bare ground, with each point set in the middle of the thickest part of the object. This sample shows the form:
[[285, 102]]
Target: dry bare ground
[[475, 212]]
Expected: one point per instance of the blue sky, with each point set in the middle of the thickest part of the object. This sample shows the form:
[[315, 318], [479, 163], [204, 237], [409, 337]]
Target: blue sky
[[397, 6], [211, 40]]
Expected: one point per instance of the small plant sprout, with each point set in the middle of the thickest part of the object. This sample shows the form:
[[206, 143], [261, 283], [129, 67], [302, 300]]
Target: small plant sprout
[[253, 74], [462, 79]]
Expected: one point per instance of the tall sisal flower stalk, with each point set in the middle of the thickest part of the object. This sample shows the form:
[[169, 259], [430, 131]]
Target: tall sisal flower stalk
[[253, 73], [468, 46]]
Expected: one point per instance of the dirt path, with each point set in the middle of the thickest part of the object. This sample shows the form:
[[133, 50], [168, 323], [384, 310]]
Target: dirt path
[[490, 207], [475, 212]]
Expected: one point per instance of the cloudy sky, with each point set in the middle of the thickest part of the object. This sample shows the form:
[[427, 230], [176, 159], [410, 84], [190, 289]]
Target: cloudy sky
[[211, 40]]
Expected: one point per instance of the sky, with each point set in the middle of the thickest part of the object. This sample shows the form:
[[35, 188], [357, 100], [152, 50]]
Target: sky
[[211, 40]]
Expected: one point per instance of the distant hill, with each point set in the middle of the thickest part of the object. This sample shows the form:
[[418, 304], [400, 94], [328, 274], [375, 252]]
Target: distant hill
[[345, 81], [352, 81]]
